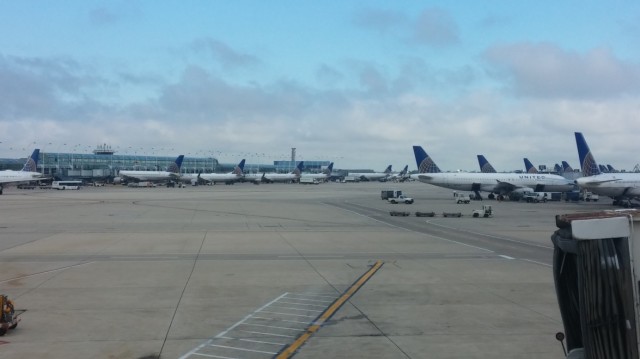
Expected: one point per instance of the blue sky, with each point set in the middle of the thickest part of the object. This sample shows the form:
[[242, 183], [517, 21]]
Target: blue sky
[[356, 82]]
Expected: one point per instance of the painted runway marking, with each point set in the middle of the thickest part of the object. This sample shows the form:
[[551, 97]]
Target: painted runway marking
[[283, 327]]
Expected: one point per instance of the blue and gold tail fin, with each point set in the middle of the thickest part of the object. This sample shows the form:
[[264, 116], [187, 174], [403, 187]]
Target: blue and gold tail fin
[[32, 162], [175, 166], [529, 167], [587, 162], [424, 161], [485, 166]]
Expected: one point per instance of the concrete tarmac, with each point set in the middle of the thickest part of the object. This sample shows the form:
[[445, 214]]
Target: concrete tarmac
[[208, 271]]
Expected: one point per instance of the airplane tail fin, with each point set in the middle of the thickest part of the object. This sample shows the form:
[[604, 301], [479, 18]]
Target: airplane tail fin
[[603, 168], [239, 169], [388, 170], [529, 166], [587, 162], [32, 162], [329, 169], [299, 167], [611, 169], [424, 161], [404, 171], [175, 166], [485, 166], [566, 167], [557, 168]]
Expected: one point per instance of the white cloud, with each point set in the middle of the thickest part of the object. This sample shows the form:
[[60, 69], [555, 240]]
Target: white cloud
[[546, 70]]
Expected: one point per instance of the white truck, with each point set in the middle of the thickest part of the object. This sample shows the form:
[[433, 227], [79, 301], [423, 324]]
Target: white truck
[[461, 198], [307, 180], [589, 196], [401, 199]]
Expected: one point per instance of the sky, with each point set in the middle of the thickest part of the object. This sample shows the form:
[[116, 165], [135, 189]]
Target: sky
[[355, 82]]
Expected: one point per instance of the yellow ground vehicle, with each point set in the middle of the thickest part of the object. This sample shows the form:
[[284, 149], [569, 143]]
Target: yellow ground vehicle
[[9, 316]]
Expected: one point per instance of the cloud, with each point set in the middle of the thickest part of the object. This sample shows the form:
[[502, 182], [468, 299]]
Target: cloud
[[435, 27], [228, 57], [379, 20], [548, 71]]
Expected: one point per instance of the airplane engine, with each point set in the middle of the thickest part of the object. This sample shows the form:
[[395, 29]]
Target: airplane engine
[[117, 180]]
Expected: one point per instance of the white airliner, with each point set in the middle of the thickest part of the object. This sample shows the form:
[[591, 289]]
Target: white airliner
[[622, 187], [28, 172], [172, 173], [236, 175], [498, 183], [324, 176], [276, 177], [372, 176], [400, 176]]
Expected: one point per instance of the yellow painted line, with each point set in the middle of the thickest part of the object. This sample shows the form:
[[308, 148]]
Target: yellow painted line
[[293, 347]]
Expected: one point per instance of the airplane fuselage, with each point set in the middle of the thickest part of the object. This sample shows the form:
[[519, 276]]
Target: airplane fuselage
[[615, 185], [9, 176], [149, 175], [496, 182]]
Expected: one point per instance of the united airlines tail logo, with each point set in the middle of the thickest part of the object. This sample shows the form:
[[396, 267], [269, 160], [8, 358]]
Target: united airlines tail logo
[[173, 168], [589, 166], [30, 165], [488, 168], [237, 171], [428, 166]]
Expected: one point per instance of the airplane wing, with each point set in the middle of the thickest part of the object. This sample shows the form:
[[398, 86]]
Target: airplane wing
[[505, 187], [596, 183]]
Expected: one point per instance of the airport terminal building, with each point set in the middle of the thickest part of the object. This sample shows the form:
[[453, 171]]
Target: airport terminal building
[[104, 164]]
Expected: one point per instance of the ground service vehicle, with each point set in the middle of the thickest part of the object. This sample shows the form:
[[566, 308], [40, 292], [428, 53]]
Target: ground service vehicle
[[304, 180], [8, 315], [534, 197], [401, 199], [66, 185], [485, 212], [390, 193], [461, 198], [589, 196]]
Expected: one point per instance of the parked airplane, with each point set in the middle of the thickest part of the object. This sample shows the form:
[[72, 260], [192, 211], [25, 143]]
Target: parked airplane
[[622, 187], [236, 175], [276, 177], [496, 183], [373, 176], [611, 169], [172, 173], [324, 176], [400, 176], [557, 168], [28, 172], [485, 166], [566, 167], [529, 167]]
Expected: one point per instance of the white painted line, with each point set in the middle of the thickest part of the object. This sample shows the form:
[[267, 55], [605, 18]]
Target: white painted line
[[269, 334], [304, 304], [273, 326], [295, 315], [411, 230], [312, 300], [241, 349], [254, 341], [317, 295], [505, 257], [282, 320], [304, 310], [194, 350], [536, 262], [214, 356]]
